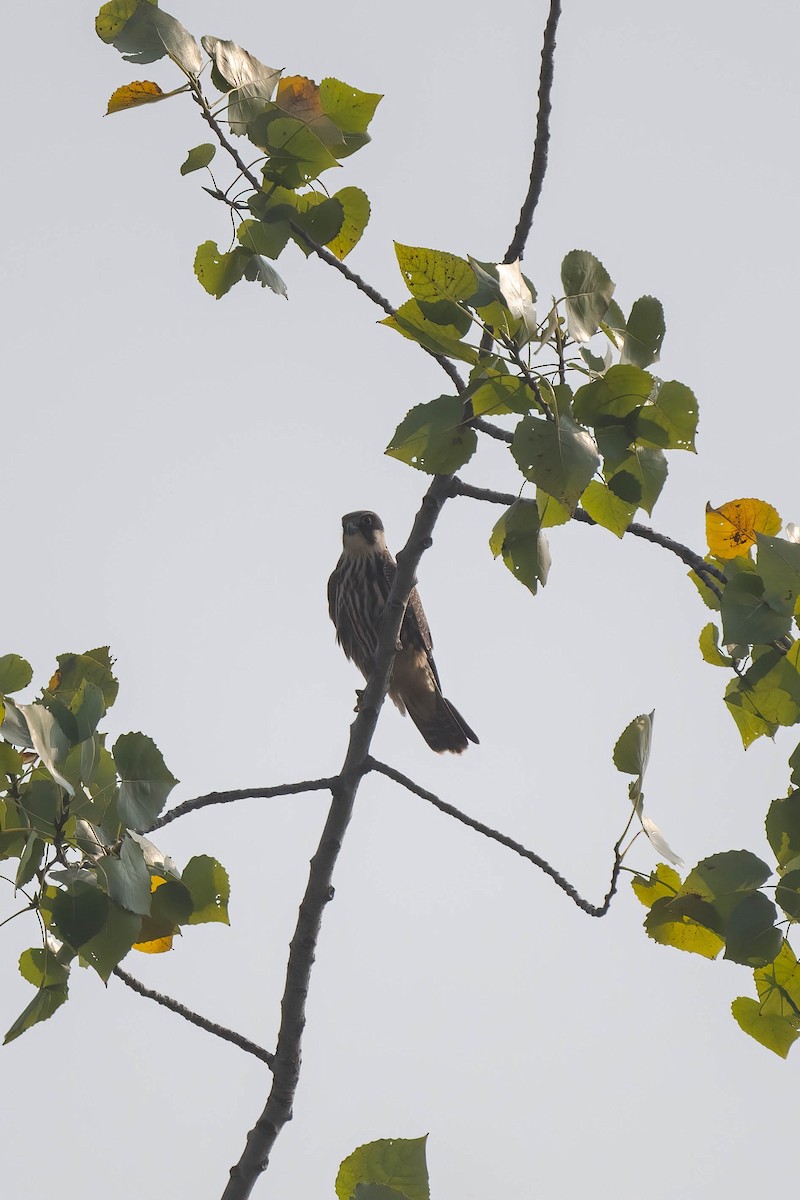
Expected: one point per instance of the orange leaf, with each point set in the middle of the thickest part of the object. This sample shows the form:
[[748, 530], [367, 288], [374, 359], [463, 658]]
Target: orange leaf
[[731, 529], [133, 94], [299, 97]]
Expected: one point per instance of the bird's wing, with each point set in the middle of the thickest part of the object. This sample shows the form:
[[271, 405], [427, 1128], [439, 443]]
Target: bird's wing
[[333, 589], [415, 632]]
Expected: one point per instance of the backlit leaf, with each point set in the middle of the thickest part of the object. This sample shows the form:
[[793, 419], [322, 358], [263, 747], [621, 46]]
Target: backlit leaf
[[15, 673], [777, 1033], [588, 289], [146, 780], [644, 333], [218, 272], [209, 887], [518, 538], [398, 1163], [731, 529], [198, 157], [607, 509], [356, 209], [434, 274], [433, 437], [131, 95], [558, 456]]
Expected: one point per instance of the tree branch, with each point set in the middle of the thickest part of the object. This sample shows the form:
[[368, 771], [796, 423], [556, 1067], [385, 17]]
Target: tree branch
[[220, 1031], [516, 247], [594, 910], [264, 793], [707, 571], [319, 889]]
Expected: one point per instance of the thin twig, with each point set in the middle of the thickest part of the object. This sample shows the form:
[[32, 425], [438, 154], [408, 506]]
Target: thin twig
[[593, 910], [220, 1031], [707, 571], [516, 247], [319, 889], [257, 793]]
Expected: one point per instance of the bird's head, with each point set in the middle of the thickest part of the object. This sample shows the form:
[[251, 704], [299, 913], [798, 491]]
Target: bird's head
[[362, 533]]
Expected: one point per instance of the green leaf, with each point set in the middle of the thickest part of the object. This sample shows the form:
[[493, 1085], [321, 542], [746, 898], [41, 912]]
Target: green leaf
[[143, 33], [794, 763], [198, 157], [558, 456], [411, 322], [320, 217], [43, 1005], [356, 209], [787, 894], [747, 616], [588, 290], [433, 437], [296, 154], [15, 673], [87, 706], [632, 751], [709, 647], [268, 237], [398, 1163], [347, 107], [10, 761], [663, 883], [621, 390], [771, 686], [497, 395], [41, 967], [78, 914], [30, 861], [258, 270], [107, 948], [607, 509], [779, 567], [727, 873], [684, 923], [750, 723], [669, 420], [94, 666], [639, 477], [209, 887], [644, 333], [49, 740], [517, 536], [777, 1033], [550, 511], [125, 877], [751, 937], [171, 908], [435, 275], [783, 830], [218, 272], [146, 780]]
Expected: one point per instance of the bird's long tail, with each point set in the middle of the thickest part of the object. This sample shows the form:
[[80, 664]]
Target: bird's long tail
[[440, 723]]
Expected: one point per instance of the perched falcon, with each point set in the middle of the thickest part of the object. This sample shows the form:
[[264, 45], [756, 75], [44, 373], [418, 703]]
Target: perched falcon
[[357, 593]]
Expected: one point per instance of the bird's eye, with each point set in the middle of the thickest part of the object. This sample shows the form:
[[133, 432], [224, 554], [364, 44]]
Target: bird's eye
[[366, 521]]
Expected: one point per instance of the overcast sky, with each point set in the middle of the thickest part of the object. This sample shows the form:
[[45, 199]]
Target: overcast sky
[[175, 469]]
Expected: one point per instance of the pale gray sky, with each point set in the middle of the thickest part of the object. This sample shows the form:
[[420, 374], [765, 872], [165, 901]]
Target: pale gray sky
[[175, 470]]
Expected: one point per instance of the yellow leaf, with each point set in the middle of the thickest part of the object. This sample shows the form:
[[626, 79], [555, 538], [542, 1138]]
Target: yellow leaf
[[731, 529], [159, 946], [662, 882], [133, 94]]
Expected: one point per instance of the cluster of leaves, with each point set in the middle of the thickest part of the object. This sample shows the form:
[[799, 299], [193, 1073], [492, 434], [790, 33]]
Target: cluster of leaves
[[722, 904], [71, 815], [297, 130], [758, 608], [600, 445]]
